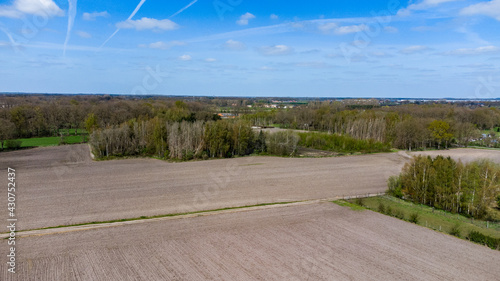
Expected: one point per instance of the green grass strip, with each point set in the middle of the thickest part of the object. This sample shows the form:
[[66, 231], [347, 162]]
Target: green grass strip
[[49, 141], [439, 220], [354, 207], [159, 216]]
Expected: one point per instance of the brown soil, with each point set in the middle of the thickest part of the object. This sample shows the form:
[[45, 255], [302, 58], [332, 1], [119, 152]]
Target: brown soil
[[311, 152], [464, 154], [320, 241], [61, 185]]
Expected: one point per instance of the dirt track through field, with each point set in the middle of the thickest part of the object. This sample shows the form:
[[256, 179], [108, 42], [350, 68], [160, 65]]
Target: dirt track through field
[[464, 154], [63, 186], [320, 241]]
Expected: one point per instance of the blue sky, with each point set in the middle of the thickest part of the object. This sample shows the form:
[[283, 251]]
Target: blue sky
[[422, 48]]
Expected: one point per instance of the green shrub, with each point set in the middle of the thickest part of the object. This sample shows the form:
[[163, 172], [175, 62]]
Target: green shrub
[[381, 208], [360, 202], [455, 230], [395, 188], [414, 218], [62, 141], [478, 237], [498, 201], [13, 144], [188, 155], [388, 210], [341, 143], [399, 215]]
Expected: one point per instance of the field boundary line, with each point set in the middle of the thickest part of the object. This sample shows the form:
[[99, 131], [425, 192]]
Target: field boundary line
[[131, 221], [96, 225]]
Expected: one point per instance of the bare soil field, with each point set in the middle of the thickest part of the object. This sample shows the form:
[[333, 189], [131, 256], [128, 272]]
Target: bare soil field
[[311, 152], [320, 241], [464, 154], [62, 185]]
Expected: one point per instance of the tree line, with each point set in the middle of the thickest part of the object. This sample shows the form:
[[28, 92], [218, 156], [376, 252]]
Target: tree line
[[341, 143], [466, 188], [408, 126], [183, 140], [46, 116], [404, 126]]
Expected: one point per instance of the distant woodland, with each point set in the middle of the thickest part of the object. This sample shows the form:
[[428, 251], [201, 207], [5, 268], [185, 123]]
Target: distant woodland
[[200, 128]]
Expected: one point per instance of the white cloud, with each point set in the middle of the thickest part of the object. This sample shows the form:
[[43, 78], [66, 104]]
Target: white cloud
[[274, 17], [137, 8], [19, 8], [490, 8], [148, 23], [436, 2], [244, 19], [414, 50], [158, 45], [234, 45], [83, 34], [391, 29], [185, 57], [423, 5], [276, 50], [312, 64], [327, 27], [210, 60], [266, 68], [380, 54], [94, 15], [6, 12], [351, 29], [360, 43], [297, 25], [341, 30], [474, 51], [423, 28], [162, 45]]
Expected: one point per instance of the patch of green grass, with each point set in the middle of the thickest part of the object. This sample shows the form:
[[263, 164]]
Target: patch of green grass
[[432, 218], [353, 206], [50, 141]]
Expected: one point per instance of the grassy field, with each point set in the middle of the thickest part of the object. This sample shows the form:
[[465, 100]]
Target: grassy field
[[50, 141], [71, 136], [434, 219]]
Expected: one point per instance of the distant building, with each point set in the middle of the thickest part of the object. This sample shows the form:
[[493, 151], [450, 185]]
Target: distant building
[[226, 115]]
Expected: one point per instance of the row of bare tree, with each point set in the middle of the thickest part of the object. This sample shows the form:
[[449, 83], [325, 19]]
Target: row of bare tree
[[177, 140]]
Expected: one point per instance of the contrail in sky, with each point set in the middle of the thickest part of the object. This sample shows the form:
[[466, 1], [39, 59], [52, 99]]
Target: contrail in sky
[[137, 9], [13, 42], [182, 10], [71, 21], [129, 18]]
